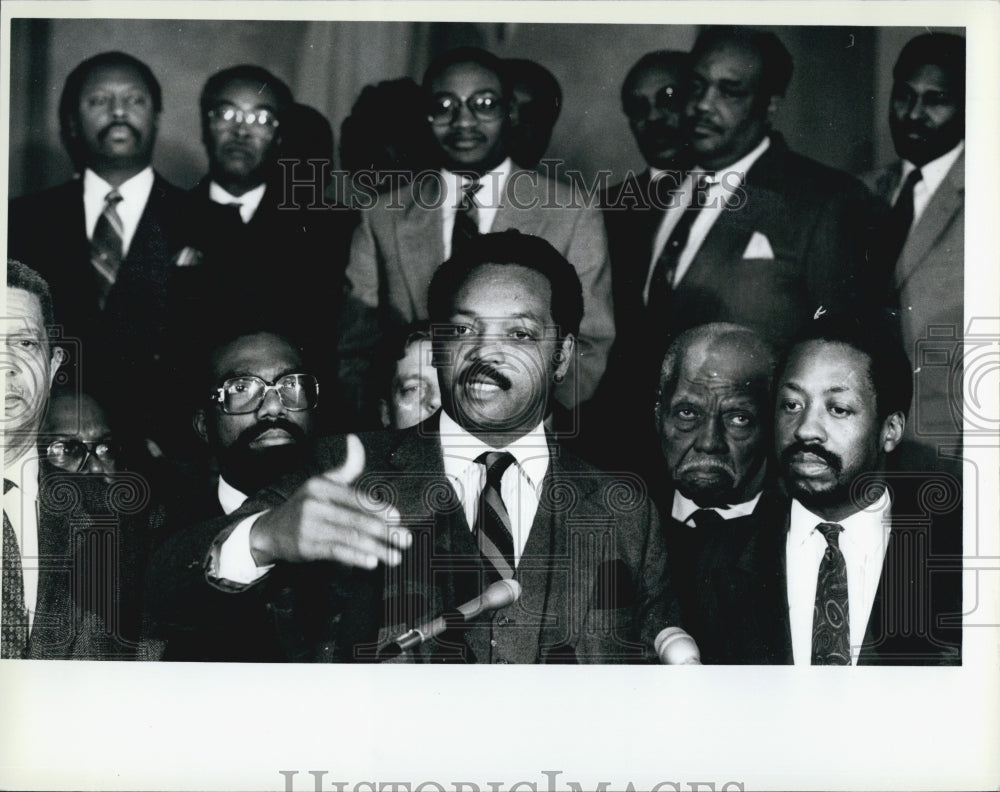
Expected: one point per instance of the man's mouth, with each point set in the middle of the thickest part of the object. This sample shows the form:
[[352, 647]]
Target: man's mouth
[[272, 437], [119, 132], [464, 142], [485, 380], [805, 463]]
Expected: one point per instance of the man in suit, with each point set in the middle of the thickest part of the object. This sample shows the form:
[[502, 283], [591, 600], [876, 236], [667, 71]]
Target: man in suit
[[73, 546], [408, 232], [855, 566], [79, 435], [757, 235], [535, 102], [713, 413], [918, 251], [478, 492]]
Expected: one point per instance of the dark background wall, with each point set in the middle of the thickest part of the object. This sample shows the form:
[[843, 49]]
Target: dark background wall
[[834, 111]]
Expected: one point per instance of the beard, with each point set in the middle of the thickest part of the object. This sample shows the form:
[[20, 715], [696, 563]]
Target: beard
[[251, 469]]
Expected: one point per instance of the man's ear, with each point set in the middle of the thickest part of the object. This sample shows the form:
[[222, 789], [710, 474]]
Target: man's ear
[[563, 357], [383, 413], [59, 356], [773, 105], [892, 431], [199, 422]]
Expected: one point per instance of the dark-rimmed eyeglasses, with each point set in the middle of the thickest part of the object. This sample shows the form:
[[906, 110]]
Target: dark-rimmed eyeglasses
[[71, 454], [484, 105], [241, 395], [260, 120], [667, 100]]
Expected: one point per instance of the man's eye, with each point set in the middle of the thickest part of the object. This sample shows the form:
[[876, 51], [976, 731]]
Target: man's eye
[[97, 100], [840, 412], [741, 420], [789, 406], [522, 335], [685, 414], [461, 330]]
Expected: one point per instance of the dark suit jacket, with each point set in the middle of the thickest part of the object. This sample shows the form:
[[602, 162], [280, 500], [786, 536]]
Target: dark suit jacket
[[93, 541], [742, 597], [126, 348], [813, 218], [593, 575]]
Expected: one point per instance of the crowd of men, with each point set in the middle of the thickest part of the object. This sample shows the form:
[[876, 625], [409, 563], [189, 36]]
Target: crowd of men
[[479, 419]]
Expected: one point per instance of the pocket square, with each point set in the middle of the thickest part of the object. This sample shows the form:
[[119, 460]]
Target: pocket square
[[758, 247], [187, 257]]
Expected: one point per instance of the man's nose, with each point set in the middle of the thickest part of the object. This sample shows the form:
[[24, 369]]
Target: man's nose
[[810, 426], [711, 437], [916, 109], [271, 406], [464, 116]]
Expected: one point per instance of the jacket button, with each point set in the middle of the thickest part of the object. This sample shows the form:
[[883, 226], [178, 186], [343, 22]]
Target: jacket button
[[493, 641]]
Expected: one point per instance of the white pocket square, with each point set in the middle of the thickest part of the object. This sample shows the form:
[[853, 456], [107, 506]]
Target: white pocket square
[[758, 247]]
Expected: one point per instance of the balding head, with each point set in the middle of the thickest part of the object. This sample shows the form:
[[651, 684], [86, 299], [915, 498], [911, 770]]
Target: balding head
[[713, 411]]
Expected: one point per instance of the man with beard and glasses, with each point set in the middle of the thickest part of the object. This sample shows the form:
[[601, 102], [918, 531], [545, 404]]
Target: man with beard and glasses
[[109, 241], [258, 419], [855, 565], [917, 254], [379, 534]]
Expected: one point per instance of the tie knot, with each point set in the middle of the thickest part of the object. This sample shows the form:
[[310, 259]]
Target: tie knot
[[911, 180], [113, 198], [706, 519], [831, 531], [8, 485], [496, 463]]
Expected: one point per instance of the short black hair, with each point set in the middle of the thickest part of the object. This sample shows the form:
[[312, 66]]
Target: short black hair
[[503, 248], [475, 55], [522, 70], [69, 101], [775, 60], [674, 60], [936, 49], [21, 276], [245, 72], [877, 338]]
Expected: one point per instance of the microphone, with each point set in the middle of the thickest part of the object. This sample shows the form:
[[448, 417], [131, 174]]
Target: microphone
[[675, 647], [498, 595]]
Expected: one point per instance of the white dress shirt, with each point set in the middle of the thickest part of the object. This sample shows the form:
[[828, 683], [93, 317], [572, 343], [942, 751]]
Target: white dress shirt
[[248, 202], [931, 176], [721, 186], [488, 198], [134, 192], [21, 508], [236, 562], [520, 486], [863, 543], [683, 508]]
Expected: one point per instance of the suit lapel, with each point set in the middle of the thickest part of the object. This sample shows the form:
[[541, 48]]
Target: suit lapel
[[518, 194], [420, 239]]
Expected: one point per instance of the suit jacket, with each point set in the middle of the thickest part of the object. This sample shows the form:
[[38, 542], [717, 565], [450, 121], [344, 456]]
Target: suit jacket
[[742, 595], [128, 346], [399, 244], [813, 218], [930, 283], [593, 574], [93, 541]]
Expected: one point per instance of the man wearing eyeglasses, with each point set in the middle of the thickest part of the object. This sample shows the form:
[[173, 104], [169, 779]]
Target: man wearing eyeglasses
[[409, 231], [77, 435]]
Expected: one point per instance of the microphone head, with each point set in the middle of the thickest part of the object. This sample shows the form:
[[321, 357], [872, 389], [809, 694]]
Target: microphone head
[[501, 594], [675, 647]]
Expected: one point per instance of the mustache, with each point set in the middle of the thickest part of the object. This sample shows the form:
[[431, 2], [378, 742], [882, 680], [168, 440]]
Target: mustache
[[453, 137], [251, 433], [114, 124], [482, 370], [800, 447], [697, 465]]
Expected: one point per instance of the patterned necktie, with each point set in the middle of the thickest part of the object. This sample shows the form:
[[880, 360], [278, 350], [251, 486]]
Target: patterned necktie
[[661, 285], [831, 640], [896, 229], [14, 629], [466, 218], [496, 540], [107, 245]]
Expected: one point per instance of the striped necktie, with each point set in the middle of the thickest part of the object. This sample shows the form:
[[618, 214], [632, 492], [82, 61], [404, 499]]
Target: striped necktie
[[831, 640], [14, 628], [107, 245], [496, 539]]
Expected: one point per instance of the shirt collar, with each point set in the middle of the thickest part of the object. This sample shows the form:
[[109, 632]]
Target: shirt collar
[[135, 189], [248, 202], [741, 166], [24, 474], [868, 527], [230, 498], [933, 173], [460, 450], [683, 508], [491, 185]]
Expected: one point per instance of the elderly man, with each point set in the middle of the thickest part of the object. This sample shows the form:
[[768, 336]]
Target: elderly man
[[854, 566], [77, 435], [73, 548], [408, 232], [479, 493]]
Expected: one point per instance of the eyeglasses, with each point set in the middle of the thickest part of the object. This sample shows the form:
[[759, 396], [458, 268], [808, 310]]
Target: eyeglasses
[[484, 105], [241, 395], [72, 454], [667, 100], [259, 121]]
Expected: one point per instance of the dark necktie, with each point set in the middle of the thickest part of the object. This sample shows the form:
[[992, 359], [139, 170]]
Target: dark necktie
[[466, 218], [896, 229], [707, 519], [496, 540], [14, 630], [107, 245], [831, 639], [661, 284]]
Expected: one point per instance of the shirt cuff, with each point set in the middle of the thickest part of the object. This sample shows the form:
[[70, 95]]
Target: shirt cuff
[[236, 563]]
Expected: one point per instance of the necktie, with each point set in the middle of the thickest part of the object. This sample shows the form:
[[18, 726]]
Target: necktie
[[107, 245], [831, 641], [496, 540], [707, 519], [466, 218], [896, 228], [14, 629], [661, 285]]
